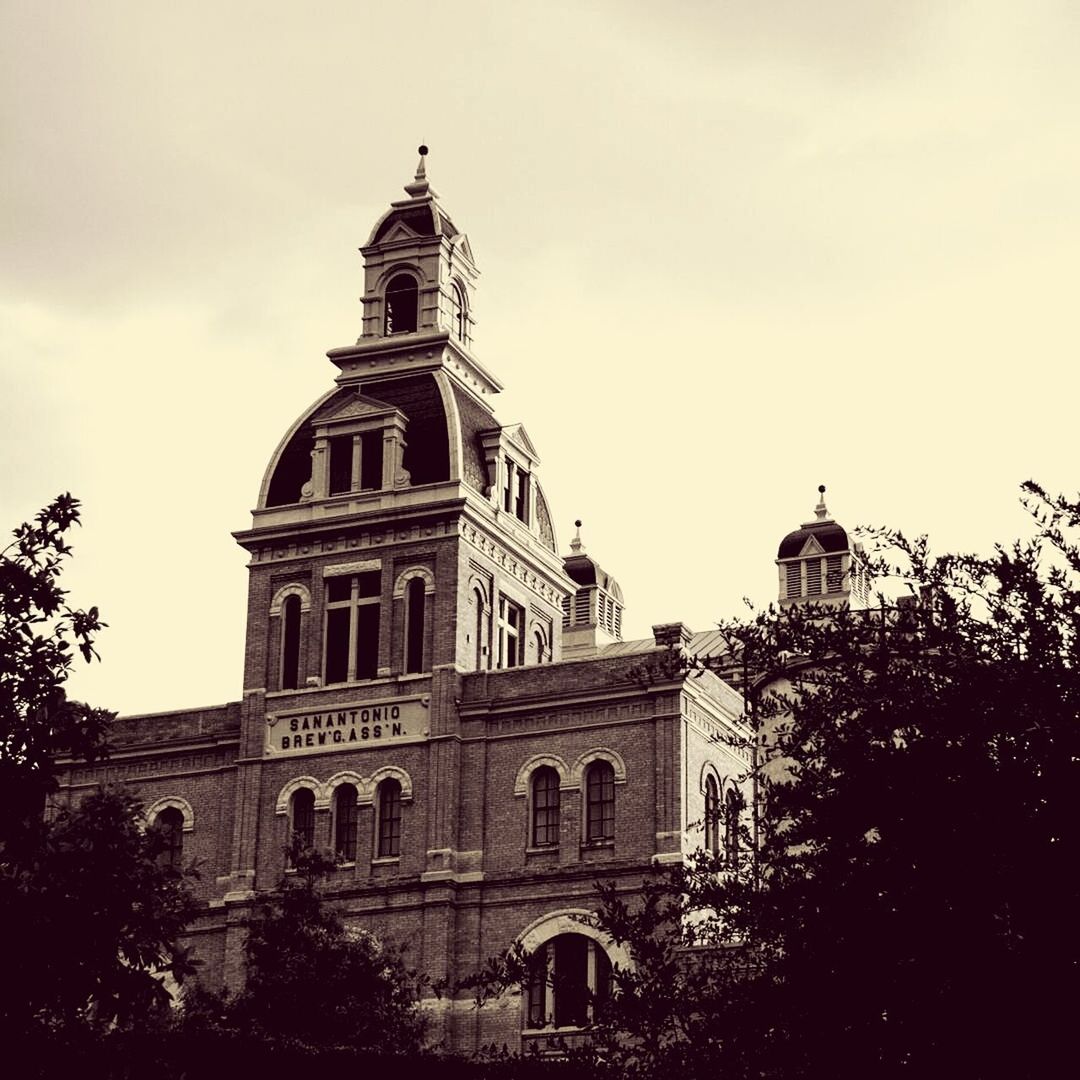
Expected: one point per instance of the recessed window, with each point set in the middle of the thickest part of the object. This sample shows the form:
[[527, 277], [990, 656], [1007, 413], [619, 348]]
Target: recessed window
[[402, 304], [345, 823], [540, 648], [599, 802], [479, 629], [170, 827], [302, 817], [545, 807], [290, 643], [352, 627], [569, 977], [414, 625], [388, 827], [511, 618], [732, 807], [712, 816], [459, 313]]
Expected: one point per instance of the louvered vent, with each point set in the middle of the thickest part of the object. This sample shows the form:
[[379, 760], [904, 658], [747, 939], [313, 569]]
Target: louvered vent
[[794, 579], [581, 607], [565, 611], [813, 577], [618, 620], [834, 576]]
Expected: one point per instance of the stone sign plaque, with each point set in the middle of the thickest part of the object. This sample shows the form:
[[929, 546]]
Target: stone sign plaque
[[347, 727]]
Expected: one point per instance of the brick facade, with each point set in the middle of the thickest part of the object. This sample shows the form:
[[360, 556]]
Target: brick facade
[[493, 700]]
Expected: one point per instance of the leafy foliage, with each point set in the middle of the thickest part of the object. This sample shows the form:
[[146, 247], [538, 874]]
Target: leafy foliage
[[97, 921], [92, 916], [910, 905], [39, 633], [312, 983]]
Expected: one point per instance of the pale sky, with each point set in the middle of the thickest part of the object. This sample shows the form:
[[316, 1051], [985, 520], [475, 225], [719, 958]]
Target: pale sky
[[729, 251]]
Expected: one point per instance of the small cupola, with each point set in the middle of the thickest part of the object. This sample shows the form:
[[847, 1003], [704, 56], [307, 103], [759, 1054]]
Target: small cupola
[[818, 564], [592, 615], [419, 273]]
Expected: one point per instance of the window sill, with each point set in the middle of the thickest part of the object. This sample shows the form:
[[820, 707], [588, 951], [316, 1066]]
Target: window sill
[[595, 845], [350, 865], [386, 860], [542, 849]]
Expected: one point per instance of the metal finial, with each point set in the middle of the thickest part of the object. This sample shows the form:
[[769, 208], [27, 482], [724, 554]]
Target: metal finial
[[420, 186], [820, 511], [575, 544]]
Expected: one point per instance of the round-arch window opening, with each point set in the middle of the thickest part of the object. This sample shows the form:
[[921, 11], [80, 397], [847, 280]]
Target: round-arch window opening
[[569, 978], [402, 304]]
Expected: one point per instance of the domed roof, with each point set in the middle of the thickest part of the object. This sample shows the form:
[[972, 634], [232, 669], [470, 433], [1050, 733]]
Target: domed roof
[[826, 532], [420, 214], [586, 571]]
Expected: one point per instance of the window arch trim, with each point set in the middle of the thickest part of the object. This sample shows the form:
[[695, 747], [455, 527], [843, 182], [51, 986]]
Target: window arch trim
[[392, 772], [406, 576], [292, 589], [170, 802], [523, 781], [600, 753], [571, 921], [322, 798], [364, 790]]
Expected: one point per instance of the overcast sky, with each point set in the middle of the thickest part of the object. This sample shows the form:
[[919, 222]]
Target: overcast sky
[[729, 251]]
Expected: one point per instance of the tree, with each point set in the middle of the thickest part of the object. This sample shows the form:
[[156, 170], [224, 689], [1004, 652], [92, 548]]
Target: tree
[[92, 917], [312, 983], [910, 906], [39, 633]]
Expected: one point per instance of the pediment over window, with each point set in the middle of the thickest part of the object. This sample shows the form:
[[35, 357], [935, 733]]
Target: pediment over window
[[355, 407], [517, 436], [399, 231]]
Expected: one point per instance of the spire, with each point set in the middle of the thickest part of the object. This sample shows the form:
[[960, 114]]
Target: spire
[[420, 188], [576, 545], [820, 511]]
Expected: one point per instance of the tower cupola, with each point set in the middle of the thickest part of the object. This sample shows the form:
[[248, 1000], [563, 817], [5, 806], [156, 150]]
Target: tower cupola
[[419, 274], [818, 564], [592, 616]]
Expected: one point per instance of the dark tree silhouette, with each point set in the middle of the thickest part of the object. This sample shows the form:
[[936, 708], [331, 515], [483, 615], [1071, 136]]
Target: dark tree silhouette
[[910, 907]]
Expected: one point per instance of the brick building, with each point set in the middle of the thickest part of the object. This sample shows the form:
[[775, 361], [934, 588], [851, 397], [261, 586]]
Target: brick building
[[431, 690]]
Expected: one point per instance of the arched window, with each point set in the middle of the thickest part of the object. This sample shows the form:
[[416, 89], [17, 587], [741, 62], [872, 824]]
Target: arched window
[[540, 646], [302, 817], [732, 807], [712, 816], [290, 643], [460, 313], [599, 801], [545, 808], [388, 826], [478, 628], [569, 977], [414, 625], [345, 823], [170, 826], [402, 304]]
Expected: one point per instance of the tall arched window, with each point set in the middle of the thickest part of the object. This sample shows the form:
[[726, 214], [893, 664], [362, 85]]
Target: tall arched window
[[600, 801], [478, 628], [290, 643], [170, 825], [414, 625], [712, 816], [302, 817], [732, 806], [345, 823], [402, 304], [569, 976], [388, 826], [545, 808], [460, 313]]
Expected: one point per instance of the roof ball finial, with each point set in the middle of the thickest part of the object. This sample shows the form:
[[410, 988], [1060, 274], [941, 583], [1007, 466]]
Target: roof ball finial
[[575, 545], [420, 186], [820, 511]]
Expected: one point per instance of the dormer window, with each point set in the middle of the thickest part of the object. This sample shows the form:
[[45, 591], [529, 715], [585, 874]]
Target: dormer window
[[356, 462], [516, 491], [402, 305]]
